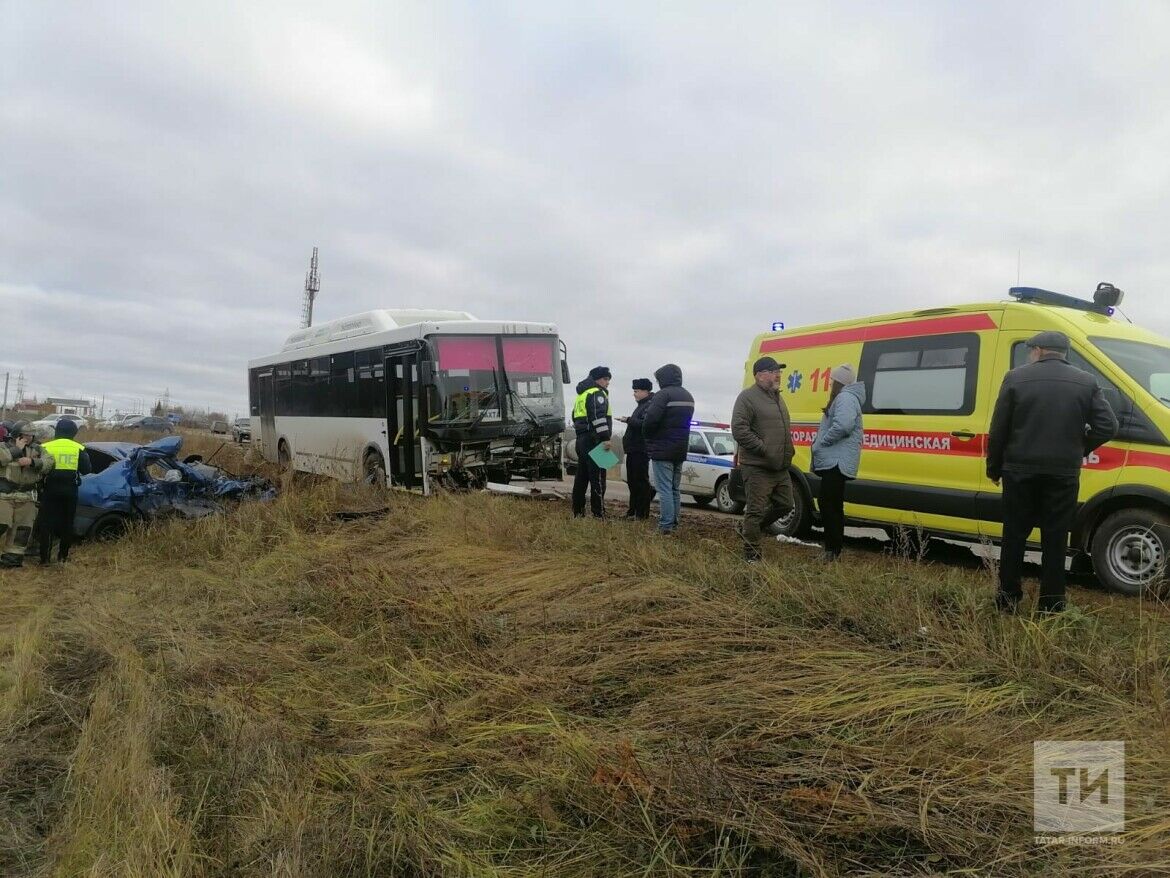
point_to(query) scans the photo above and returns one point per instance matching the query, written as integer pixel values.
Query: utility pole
(20, 387)
(312, 287)
(4, 408)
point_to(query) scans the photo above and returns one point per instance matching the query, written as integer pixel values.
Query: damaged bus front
(414, 399)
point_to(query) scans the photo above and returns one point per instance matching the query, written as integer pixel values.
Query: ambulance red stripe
(1106, 457)
(906, 329)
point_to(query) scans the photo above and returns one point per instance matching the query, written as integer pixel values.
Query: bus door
(267, 425)
(403, 427)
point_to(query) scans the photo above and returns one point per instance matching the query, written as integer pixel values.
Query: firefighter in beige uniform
(22, 465)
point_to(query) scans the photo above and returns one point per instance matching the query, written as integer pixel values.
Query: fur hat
(643, 384)
(600, 372)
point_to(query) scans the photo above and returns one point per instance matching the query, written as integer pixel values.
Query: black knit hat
(66, 429)
(643, 384)
(600, 372)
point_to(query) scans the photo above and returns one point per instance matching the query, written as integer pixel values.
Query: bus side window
(370, 401)
(342, 385)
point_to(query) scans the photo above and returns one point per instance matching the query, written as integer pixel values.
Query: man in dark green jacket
(762, 429)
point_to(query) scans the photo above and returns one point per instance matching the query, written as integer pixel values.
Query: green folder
(603, 457)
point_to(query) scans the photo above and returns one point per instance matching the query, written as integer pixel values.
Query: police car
(710, 453)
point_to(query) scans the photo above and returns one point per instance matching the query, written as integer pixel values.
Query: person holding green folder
(593, 424)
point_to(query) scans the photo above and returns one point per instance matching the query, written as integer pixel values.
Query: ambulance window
(1134, 424)
(1118, 401)
(1111, 390)
(944, 357)
(898, 360)
(697, 444)
(921, 376)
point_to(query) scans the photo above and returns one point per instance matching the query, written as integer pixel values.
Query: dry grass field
(477, 686)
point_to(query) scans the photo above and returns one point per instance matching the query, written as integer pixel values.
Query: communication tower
(312, 287)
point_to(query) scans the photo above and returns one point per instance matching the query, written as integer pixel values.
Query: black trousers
(55, 521)
(589, 476)
(831, 502)
(638, 480)
(1029, 501)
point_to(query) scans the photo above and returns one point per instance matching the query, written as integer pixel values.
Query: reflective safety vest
(65, 453)
(595, 422)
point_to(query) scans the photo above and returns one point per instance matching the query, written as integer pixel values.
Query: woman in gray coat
(836, 453)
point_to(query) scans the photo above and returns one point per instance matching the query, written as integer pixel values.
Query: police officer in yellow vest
(59, 497)
(22, 464)
(593, 423)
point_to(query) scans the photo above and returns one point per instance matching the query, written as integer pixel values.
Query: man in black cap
(1049, 416)
(762, 429)
(593, 424)
(634, 447)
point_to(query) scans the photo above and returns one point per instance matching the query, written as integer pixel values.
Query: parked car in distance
(117, 422)
(219, 426)
(149, 424)
(241, 430)
(51, 421)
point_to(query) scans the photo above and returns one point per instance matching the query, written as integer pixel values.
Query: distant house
(83, 407)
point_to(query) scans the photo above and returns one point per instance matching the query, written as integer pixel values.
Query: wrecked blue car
(133, 482)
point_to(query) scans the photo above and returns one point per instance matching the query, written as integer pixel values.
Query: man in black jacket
(593, 424)
(1049, 416)
(634, 446)
(667, 428)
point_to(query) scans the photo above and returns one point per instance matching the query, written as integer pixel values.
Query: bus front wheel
(374, 469)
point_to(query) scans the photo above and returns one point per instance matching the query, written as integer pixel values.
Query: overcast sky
(661, 180)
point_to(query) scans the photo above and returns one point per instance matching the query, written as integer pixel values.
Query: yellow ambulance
(932, 378)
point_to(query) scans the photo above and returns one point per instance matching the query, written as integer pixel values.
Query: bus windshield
(1147, 364)
(487, 379)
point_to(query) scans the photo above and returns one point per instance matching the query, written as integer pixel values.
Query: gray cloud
(663, 182)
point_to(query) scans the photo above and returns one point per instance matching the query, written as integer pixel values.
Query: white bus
(414, 399)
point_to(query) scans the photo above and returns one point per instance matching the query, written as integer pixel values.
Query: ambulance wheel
(723, 499)
(108, 527)
(1129, 551)
(798, 522)
(703, 502)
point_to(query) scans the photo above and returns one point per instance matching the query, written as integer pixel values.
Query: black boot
(752, 554)
(8, 559)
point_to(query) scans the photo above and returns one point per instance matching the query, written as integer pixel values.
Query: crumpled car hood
(126, 484)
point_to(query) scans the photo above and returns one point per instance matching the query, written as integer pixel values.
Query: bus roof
(387, 326)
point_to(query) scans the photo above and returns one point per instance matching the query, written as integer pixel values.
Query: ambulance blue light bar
(1104, 299)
